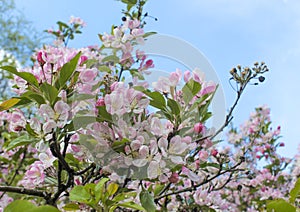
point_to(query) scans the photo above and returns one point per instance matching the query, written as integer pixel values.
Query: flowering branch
(207, 180)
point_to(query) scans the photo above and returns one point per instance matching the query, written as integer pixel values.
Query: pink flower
(17, 121)
(208, 87)
(34, 176)
(203, 155)
(175, 78)
(77, 20)
(87, 76)
(199, 128)
(187, 76)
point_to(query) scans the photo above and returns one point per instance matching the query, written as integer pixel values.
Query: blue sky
(228, 32)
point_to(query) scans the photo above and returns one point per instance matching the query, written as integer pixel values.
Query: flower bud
(174, 178)
(100, 102)
(40, 58)
(214, 152)
(198, 128)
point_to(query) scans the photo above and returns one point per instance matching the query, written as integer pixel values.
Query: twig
(21, 190)
(233, 169)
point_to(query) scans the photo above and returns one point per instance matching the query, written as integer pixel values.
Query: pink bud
(83, 59)
(18, 128)
(100, 102)
(214, 152)
(282, 144)
(40, 58)
(174, 178)
(149, 64)
(198, 128)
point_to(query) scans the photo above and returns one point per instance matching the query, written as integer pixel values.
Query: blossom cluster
(89, 139)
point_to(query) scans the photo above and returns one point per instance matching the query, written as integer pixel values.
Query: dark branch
(21, 190)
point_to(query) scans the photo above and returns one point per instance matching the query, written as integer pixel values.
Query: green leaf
(111, 58)
(112, 189)
(44, 208)
(157, 99)
(83, 121)
(103, 114)
(280, 205)
(99, 189)
(147, 34)
(67, 71)
(118, 146)
(175, 107)
(50, 92)
(295, 191)
(190, 89)
(19, 205)
(158, 189)
(20, 141)
(24, 205)
(104, 68)
(124, 196)
(131, 205)
(147, 201)
(80, 194)
(8, 104)
(71, 160)
(71, 207)
(62, 24)
(34, 96)
(30, 130)
(28, 77)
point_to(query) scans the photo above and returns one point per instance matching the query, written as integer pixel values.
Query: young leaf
(66, 72)
(111, 58)
(174, 106)
(20, 141)
(34, 96)
(71, 207)
(19, 205)
(25, 205)
(50, 92)
(295, 191)
(131, 205)
(44, 208)
(147, 201)
(83, 121)
(190, 89)
(79, 194)
(103, 114)
(112, 189)
(280, 205)
(30, 78)
(99, 189)
(8, 104)
(147, 34)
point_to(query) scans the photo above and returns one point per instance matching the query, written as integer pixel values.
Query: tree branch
(21, 190)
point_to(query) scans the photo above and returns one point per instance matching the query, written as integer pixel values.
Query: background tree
(18, 39)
